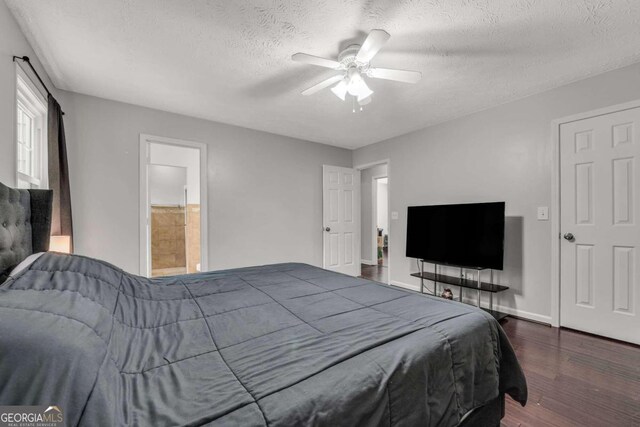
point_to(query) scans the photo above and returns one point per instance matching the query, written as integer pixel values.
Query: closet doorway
(173, 194)
(375, 229)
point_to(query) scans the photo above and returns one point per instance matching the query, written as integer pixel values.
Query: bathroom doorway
(172, 222)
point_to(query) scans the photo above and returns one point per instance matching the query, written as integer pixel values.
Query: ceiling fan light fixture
(363, 91)
(352, 65)
(364, 101)
(354, 81)
(340, 90)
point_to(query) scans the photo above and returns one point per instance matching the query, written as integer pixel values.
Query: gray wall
(12, 42)
(503, 153)
(265, 191)
(366, 195)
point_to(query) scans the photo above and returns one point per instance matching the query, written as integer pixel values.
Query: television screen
(466, 235)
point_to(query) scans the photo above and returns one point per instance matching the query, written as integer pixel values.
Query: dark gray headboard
(25, 225)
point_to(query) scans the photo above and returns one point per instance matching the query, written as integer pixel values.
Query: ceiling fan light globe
(340, 90)
(364, 101)
(363, 91)
(353, 75)
(364, 96)
(354, 81)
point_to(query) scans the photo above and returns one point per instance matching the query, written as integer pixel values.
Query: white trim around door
(555, 197)
(389, 190)
(374, 216)
(145, 140)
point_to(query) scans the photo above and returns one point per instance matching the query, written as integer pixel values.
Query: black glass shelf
(463, 283)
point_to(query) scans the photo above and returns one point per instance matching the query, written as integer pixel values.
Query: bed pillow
(25, 264)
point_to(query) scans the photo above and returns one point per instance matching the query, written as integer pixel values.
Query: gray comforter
(285, 344)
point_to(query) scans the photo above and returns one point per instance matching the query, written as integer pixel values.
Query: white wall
(265, 191)
(503, 153)
(167, 185)
(366, 211)
(189, 158)
(12, 42)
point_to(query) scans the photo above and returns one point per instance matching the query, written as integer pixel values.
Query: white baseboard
(541, 318)
(524, 314)
(367, 262)
(406, 285)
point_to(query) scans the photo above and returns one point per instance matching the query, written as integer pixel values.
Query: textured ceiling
(229, 61)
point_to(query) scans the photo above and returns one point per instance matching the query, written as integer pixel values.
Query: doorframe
(360, 168)
(555, 198)
(374, 214)
(145, 140)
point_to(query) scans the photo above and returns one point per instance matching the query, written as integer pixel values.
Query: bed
(280, 345)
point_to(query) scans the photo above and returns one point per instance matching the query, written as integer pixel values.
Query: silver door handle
(569, 236)
(327, 229)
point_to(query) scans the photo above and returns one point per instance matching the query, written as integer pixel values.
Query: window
(31, 134)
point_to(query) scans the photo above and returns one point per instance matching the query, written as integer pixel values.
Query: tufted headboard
(25, 225)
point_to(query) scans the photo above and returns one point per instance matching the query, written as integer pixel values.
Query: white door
(600, 207)
(341, 219)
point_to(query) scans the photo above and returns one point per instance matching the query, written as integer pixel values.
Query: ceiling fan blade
(315, 60)
(396, 75)
(325, 83)
(375, 40)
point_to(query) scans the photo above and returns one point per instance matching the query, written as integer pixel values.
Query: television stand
(463, 283)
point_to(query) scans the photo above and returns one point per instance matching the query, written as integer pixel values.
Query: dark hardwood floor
(377, 273)
(574, 379)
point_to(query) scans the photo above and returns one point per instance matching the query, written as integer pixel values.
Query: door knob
(327, 229)
(568, 236)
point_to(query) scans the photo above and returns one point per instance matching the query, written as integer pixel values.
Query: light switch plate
(543, 213)
(394, 215)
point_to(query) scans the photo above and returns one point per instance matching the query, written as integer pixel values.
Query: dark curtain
(61, 223)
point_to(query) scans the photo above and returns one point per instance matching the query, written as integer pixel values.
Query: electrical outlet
(543, 213)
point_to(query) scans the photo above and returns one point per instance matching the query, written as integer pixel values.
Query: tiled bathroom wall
(168, 240)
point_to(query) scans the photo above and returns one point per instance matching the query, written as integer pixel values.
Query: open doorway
(375, 222)
(172, 246)
(172, 221)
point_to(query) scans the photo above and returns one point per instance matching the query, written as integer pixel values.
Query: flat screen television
(466, 235)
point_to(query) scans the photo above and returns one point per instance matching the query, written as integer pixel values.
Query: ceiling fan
(353, 65)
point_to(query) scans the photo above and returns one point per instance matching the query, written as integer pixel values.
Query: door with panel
(341, 219)
(600, 231)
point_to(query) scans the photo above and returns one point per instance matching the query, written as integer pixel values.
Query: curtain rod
(28, 61)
